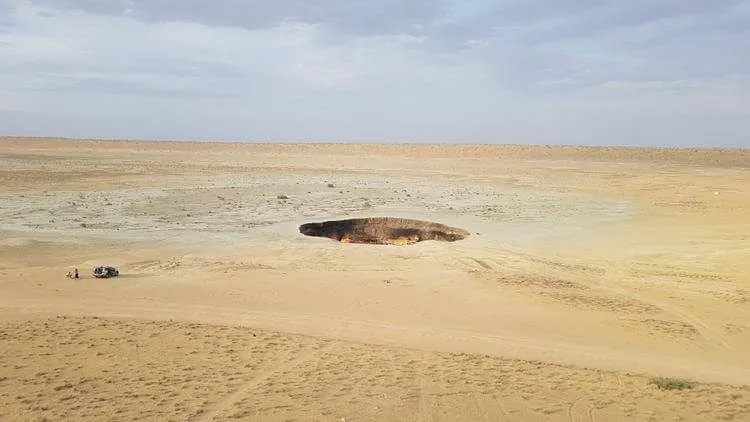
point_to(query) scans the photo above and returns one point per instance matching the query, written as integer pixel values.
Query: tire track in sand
(267, 370)
(710, 334)
(609, 282)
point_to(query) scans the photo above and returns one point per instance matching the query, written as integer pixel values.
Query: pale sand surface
(584, 265)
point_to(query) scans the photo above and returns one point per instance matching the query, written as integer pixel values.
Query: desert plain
(589, 273)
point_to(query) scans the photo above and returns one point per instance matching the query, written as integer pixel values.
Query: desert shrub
(672, 383)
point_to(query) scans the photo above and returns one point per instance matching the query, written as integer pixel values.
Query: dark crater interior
(383, 231)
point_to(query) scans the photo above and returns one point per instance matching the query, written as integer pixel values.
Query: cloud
(353, 16)
(544, 71)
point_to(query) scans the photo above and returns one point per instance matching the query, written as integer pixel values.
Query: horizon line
(380, 142)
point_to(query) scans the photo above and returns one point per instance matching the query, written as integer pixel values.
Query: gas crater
(383, 231)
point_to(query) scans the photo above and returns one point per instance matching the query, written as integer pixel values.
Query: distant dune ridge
(383, 231)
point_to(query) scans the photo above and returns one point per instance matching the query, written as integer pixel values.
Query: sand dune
(115, 369)
(588, 273)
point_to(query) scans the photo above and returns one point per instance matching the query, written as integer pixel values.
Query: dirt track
(617, 260)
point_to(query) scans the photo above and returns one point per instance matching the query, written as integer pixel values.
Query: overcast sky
(636, 72)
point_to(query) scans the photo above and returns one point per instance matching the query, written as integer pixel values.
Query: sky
(586, 72)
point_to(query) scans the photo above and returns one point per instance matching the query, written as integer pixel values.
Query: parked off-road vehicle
(105, 271)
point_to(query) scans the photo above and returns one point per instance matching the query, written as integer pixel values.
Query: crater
(383, 231)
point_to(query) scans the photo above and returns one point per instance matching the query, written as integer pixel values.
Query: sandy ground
(589, 271)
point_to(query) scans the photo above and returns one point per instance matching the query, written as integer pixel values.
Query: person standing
(75, 273)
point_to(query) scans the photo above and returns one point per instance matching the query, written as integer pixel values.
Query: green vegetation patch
(672, 383)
